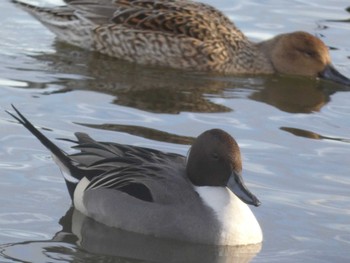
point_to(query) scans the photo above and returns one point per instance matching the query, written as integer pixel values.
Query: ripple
(53, 179)
(338, 110)
(14, 166)
(345, 238)
(121, 114)
(312, 135)
(333, 204)
(280, 256)
(144, 132)
(337, 179)
(40, 252)
(22, 234)
(269, 26)
(49, 194)
(13, 83)
(43, 157)
(340, 227)
(218, 119)
(22, 218)
(257, 145)
(257, 168)
(331, 151)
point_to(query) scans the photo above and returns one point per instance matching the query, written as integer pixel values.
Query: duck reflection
(341, 20)
(158, 90)
(82, 238)
(144, 132)
(312, 135)
(151, 89)
(295, 95)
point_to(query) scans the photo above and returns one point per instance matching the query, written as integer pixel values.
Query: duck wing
(137, 171)
(192, 19)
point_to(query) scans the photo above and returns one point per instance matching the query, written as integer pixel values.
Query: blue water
(294, 134)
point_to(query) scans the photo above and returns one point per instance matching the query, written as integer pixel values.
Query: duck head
(215, 160)
(300, 53)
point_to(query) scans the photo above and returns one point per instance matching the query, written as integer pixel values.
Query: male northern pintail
(202, 199)
(182, 34)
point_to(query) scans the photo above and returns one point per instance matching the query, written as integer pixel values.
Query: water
(294, 134)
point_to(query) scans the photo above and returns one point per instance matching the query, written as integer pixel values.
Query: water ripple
(40, 252)
(337, 205)
(14, 218)
(13, 83)
(14, 166)
(345, 238)
(22, 234)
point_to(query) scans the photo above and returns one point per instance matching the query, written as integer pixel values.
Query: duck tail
(32, 9)
(49, 16)
(63, 21)
(71, 173)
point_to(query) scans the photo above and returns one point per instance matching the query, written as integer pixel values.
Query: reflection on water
(82, 238)
(341, 20)
(144, 132)
(293, 94)
(311, 135)
(146, 88)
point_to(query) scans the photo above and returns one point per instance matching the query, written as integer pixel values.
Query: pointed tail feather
(71, 173)
(47, 15)
(26, 6)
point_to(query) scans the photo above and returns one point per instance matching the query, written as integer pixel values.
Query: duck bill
(236, 185)
(330, 73)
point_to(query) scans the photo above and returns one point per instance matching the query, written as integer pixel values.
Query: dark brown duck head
(215, 160)
(300, 53)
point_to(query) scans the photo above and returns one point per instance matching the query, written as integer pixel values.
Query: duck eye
(308, 54)
(215, 156)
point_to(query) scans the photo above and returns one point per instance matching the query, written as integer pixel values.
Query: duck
(199, 199)
(182, 34)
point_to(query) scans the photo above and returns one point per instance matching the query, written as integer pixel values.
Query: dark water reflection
(85, 240)
(144, 132)
(144, 88)
(293, 94)
(312, 135)
(341, 20)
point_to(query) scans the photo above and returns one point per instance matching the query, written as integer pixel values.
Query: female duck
(154, 193)
(182, 34)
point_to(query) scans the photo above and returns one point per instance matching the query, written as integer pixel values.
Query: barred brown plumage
(182, 34)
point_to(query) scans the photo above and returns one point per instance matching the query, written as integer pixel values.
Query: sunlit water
(294, 134)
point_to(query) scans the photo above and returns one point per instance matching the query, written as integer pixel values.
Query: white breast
(239, 225)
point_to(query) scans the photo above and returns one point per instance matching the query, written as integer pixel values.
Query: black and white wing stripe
(130, 169)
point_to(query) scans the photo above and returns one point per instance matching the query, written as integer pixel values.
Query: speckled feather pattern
(178, 34)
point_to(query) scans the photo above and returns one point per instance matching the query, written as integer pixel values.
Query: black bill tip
(330, 73)
(237, 186)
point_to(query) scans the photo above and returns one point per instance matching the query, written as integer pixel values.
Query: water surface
(294, 134)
